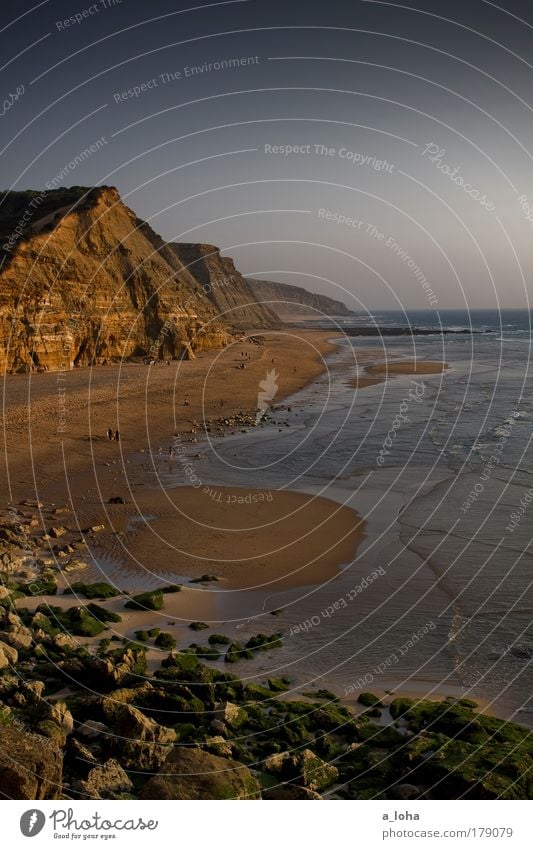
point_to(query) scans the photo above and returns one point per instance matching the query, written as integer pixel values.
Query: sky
(377, 152)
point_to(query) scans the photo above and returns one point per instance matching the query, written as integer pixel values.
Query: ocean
(439, 598)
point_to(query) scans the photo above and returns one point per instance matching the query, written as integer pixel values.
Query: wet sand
(246, 538)
(407, 367)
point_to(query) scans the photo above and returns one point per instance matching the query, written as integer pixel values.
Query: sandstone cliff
(228, 290)
(289, 301)
(83, 280)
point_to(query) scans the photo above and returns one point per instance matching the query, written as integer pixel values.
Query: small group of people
(113, 436)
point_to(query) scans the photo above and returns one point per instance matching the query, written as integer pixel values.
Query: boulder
(195, 774)
(30, 766)
(8, 655)
(232, 715)
(140, 742)
(315, 773)
(105, 781)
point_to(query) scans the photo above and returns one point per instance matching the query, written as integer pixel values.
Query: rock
(14, 632)
(315, 773)
(407, 791)
(65, 642)
(59, 713)
(116, 499)
(55, 533)
(4, 593)
(92, 729)
(104, 781)
(218, 726)
(232, 715)
(116, 669)
(218, 746)
(289, 792)
(277, 762)
(33, 690)
(140, 742)
(195, 774)
(8, 655)
(30, 766)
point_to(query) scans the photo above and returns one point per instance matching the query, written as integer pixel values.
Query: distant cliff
(229, 291)
(289, 301)
(83, 280)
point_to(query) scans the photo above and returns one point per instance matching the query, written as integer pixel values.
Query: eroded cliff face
(288, 301)
(95, 284)
(228, 290)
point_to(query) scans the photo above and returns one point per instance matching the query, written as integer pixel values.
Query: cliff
(83, 280)
(228, 290)
(290, 301)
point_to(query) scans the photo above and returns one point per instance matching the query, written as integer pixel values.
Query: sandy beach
(54, 424)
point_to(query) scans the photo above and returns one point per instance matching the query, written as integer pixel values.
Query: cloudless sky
(358, 148)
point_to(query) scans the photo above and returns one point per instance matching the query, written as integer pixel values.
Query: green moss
(262, 642)
(142, 636)
(39, 587)
(97, 590)
(165, 641)
(278, 684)
(198, 626)
(236, 652)
(172, 588)
(369, 700)
(184, 661)
(208, 652)
(219, 640)
(154, 632)
(152, 600)
(102, 614)
(204, 579)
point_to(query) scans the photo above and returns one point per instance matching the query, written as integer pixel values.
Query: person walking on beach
(117, 436)
(109, 433)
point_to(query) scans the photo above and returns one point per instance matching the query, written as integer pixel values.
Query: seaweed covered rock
(194, 774)
(146, 601)
(30, 766)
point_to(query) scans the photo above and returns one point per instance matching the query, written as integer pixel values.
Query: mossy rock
(262, 642)
(171, 588)
(219, 640)
(377, 735)
(198, 626)
(39, 587)
(369, 700)
(237, 652)
(143, 636)
(153, 632)
(165, 641)
(102, 614)
(100, 589)
(204, 579)
(184, 661)
(152, 600)
(207, 652)
(278, 685)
